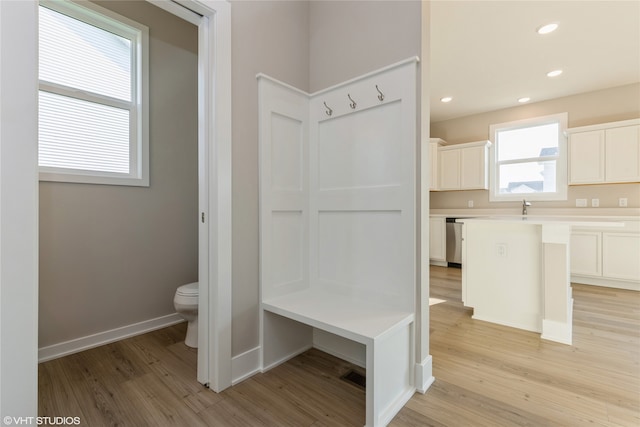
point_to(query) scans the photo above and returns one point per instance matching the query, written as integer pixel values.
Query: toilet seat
(188, 290)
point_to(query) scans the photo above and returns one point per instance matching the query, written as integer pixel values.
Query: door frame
(213, 18)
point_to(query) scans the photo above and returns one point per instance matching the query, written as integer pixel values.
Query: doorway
(18, 210)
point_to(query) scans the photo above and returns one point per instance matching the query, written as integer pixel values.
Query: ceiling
(487, 54)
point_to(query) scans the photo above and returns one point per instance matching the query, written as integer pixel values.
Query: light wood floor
(486, 375)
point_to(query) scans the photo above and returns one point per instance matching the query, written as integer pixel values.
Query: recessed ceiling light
(446, 99)
(554, 73)
(523, 100)
(546, 29)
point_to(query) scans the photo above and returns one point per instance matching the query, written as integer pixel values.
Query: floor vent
(355, 378)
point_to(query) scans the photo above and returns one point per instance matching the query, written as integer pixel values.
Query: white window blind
(92, 121)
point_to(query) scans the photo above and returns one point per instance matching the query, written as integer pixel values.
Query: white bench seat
(386, 333)
(348, 317)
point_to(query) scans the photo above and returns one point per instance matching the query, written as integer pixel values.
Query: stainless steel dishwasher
(454, 243)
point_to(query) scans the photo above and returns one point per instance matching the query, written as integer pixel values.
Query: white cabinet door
(433, 159)
(621, 256)
(586, 253)
(437, 239)
(473, 172)
(586, 157)
(449, 169)
(622, 154)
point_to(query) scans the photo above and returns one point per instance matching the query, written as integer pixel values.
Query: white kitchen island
(516, 272)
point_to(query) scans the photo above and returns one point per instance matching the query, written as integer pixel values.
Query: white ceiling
(487, 54)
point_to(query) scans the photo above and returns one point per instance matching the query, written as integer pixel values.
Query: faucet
(524, 206)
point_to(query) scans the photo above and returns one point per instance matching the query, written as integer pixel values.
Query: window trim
(561, 161)
(138, 106)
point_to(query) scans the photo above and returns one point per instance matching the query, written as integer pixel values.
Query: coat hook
(329, 111)
(381, 95)
(352, 104)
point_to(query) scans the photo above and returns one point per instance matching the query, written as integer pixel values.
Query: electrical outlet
(622, 202)
(595, 203)
(470, 203)
(501, 250)
(581, 203)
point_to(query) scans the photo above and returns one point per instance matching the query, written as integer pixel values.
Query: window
(528, 159)
(93, 125)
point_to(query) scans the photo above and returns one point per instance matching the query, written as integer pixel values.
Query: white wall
(18, 207)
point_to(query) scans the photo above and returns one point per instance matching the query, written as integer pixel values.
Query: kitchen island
(516, 271)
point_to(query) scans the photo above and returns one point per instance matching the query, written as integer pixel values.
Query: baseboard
(439, 263)
(287, 357)
(556, 331)
(245, 365)
(424, 375)
(342, 348)
(393, 409)
(101, 338)
(606, 283)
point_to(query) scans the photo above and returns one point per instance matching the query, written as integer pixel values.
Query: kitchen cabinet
(586, 253)
(606, 153)
(464, 166)
(437, 241)
(434, 143)
(620, 255)
(606, 258)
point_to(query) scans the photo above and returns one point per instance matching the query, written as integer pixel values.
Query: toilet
(186, 303)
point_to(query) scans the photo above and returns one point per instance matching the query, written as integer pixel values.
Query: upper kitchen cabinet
(464, 166)
(605, 153)
(434, 144)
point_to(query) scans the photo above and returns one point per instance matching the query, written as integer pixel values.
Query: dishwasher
(454, 242)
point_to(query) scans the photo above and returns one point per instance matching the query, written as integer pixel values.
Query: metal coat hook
(329, 111)
(352, 104)
(380, 94)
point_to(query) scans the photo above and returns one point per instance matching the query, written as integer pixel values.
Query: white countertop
(626, 214)
(574, 221)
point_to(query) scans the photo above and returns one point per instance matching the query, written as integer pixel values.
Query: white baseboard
(287, 357)
(395, 407)
(245, 365)
(606, 282)
(556, 331)
(101, 338)
(342, 348)
(424, 375)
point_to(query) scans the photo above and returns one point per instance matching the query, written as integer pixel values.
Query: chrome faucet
(524, 206)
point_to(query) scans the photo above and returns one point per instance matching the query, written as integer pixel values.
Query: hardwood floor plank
(486, 375)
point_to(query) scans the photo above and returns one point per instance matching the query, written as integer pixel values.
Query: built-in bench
(386, 333)
(338, 240)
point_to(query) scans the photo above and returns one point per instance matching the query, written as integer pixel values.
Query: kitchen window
(93, 124)
(528, 159)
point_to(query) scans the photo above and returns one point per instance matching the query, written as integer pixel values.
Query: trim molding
(424, 375)
(606, 282)
(101, 338)
(245, 365)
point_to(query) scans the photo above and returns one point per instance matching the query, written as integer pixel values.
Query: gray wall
(609, 105)
(309, 45)
(350, 38)
(110, 255)
(268, 37)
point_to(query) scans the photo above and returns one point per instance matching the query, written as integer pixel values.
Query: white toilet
(186, 303)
